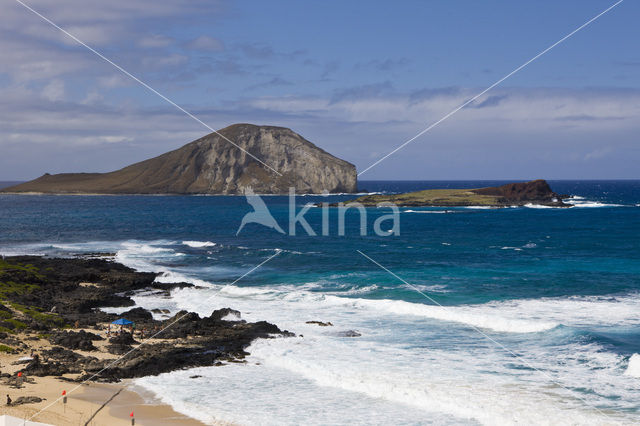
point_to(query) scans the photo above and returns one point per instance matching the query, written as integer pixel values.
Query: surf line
(485, 335)
(103, 405)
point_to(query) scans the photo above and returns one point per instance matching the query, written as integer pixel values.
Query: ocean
(524, 315)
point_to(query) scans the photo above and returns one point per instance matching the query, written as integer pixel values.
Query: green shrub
(17, 324)
(12, 267)
(10, 287)
(34, 313)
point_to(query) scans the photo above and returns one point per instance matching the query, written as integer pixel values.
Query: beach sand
(82, 402)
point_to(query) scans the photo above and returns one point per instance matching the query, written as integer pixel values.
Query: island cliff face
(212, 165)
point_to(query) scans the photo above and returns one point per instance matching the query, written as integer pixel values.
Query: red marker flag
(64, 392)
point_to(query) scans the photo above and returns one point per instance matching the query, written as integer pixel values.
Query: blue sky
(356, 78)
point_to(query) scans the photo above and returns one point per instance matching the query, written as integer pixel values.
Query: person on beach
(8, 400)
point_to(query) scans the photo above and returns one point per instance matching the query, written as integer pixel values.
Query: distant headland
(213, 165)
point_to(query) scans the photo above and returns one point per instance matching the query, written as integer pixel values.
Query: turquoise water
(539, 324)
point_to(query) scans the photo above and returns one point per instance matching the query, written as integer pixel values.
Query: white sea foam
(199, 244)
(331, 287)
(474, 316)
(361, 390)
(144, 248)
(412, 365)
(466, 385)
(427, 211)
(538, 206)
(462, 315)
(582, 202)
(291, 399)
(526, 246)
(434, 288)
(332, 194)
(633, 368)
(595, 204)
(380, 369)
(142, 256)
(172, 277)
(347, 275)
(357, 290)
(575, 311)
(575, 204)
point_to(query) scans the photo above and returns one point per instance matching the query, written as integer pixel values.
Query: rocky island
(513, 194)
(213, 165)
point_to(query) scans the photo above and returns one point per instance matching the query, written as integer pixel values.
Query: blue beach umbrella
(122, 321)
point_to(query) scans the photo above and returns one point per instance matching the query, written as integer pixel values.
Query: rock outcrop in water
(512, 194)
(213, 165)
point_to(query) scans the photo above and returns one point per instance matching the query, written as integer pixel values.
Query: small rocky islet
(537, 192)
(53, 305)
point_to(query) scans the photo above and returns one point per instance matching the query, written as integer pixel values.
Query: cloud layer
(64, 109)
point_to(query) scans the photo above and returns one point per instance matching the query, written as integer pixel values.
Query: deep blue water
(577, 268)
(579, 251)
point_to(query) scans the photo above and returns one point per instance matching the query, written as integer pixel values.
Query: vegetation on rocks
(59, 299)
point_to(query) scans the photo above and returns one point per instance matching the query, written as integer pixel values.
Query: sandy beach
(54, 340)
(82, 402)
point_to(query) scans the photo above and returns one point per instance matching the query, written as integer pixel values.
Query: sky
(356, 78)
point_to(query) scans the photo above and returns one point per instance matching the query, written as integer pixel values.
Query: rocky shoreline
(50, 312)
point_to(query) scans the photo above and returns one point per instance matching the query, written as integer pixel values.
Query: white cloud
(155, 40)
(93, 35)
(205, 43)
(528, 133)
(598, 153)
(93, 97)
(54, 91)
(57, 97)
(516, 109)
(152, 63)
(32, 49)
(116, 79)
